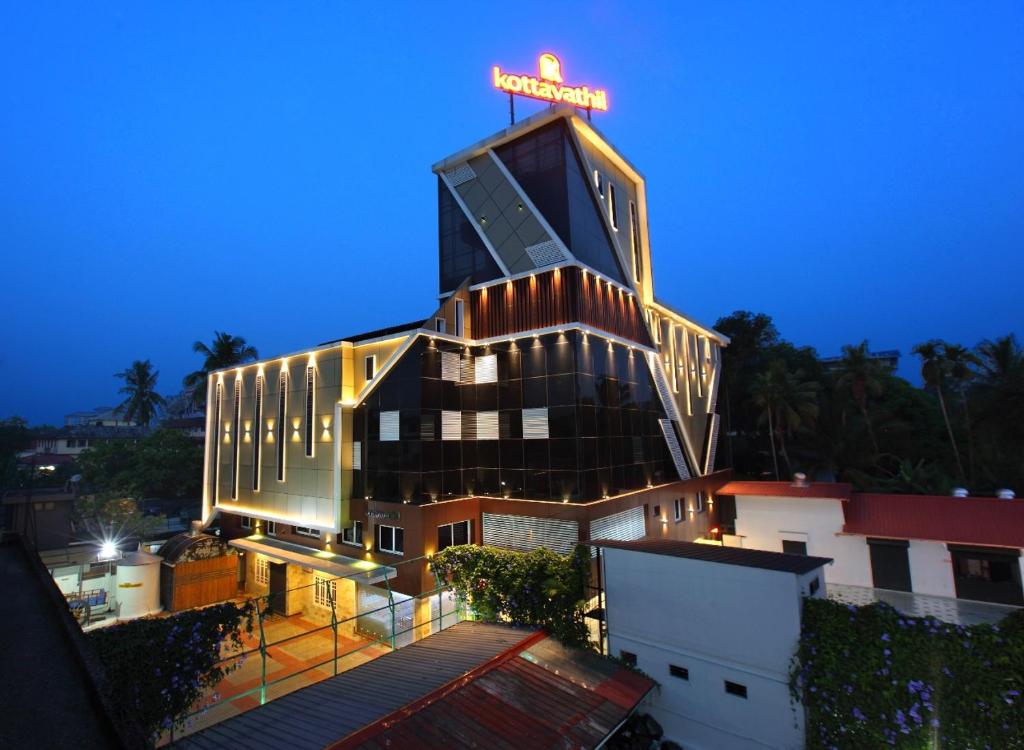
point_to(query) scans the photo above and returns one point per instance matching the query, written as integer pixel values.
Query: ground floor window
(262, 571)
(452, 534)
(324, 592)
(246, 522)
(272, 528)
(307, 531)
(793, 547)
(987, 575)
(353, 534)
(391, 539)
(890, 564)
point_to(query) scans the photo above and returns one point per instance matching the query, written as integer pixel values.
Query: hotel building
(549, 398)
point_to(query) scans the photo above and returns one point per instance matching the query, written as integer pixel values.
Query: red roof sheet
(540, 694)
(833, 490)
(959, 520)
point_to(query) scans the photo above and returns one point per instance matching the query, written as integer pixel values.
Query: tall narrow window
(370, 366)
(613, 210)
(216, 439)
(439, 325)
(236, 417)
(599, 182)
(634, 237)
(310, 408)
(257, 420)
(282, 428)
(460, 320)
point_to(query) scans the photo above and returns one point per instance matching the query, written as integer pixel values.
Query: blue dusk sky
(855, 170)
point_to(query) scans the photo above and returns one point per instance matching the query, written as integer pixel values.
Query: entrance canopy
(338, 566)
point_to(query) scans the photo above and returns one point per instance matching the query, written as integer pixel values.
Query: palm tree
(862, 376)
(962, 363)
(787, 403)
(143, 402)
(935, 368)
(226, 351)
(1000, 358)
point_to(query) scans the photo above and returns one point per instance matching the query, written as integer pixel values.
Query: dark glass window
(791, 547)
(310, 408)
(613, 209)
(282, 429)
(734, 688)
(257, 436)
(463, 253)
(452, 534)
(681, 672)
(353, 534)
(628, 657)
(634, 239)
(391, 539)
(370, 366)
(236, 445)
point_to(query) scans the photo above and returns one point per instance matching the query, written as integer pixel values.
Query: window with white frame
(262, 571)
(613, 210)
(325, 592)
(677, 509)
(271, 528)
(451, 534)
(307, 531)
(246, 522)
(391, 539)
(353, 534)
(699, 503)
(370, 366)
(439, 325)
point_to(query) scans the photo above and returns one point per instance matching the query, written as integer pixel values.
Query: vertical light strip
(236, 417)
(310, 408)
(257, 427)
(282, 427)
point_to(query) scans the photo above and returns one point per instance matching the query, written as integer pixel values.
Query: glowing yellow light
(550, 68)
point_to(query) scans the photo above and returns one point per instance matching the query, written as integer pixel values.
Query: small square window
(734, 688)
(815, 585)
(681, 672)
(272, 528)
(246, 522)
(439, 325)
(792, 547)
(628, 658)
(657, 511)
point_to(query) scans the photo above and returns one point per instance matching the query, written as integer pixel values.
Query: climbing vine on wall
(870, 677)
(160, 668)
(538, 588)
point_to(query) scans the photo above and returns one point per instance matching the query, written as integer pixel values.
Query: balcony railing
(947, 609)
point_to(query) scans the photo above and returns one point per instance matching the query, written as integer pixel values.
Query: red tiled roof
(959, 520)
(834, 490)
(539, 694)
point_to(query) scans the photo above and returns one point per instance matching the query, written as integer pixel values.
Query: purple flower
(858, 714)
(885, 637)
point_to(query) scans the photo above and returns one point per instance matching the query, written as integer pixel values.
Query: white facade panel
(535, 424)
(526, 533)
(487, 425)
(486, 369)
(451, 425)
(389, 421)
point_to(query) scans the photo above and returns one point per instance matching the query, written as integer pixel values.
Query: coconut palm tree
(787, 403)
(999, 359)
(862, 376)
(935, 369)
(962, 373)
(225, 351)
(143, 402)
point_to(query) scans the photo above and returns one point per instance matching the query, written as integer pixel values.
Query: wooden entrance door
(279, 588)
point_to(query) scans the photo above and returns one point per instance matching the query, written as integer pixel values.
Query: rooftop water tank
(138, 585)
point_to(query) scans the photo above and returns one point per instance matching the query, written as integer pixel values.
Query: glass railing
(947, 609)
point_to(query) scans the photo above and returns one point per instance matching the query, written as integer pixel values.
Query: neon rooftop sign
(549, 86)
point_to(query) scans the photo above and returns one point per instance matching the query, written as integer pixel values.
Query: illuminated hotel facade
(549, 398)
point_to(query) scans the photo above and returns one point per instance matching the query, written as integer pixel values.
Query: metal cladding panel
(748, 558)
(526, 533)
(624, 526)
(673, 447)
(535, 424)
(709, 464)
(389, 421)
(357, 454)
(450, 366)
(451, 425)
(460, 174)
(487, 425)
(486, 369)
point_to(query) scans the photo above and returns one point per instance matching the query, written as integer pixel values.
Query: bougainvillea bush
(870, 677)
(159, 668)
(538, 588)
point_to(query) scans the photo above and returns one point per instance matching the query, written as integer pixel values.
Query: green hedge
(159, 668)
(870, 677)
(538, 588)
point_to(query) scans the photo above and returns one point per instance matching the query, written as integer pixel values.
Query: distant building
(101, 416)
(716, 627)
(194, 427)
(70, 441)
(42, 516)
(967, 548)
(889, 358)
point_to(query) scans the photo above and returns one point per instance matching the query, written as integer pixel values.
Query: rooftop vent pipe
(1005, 494)
(959, 492)
(800, 479)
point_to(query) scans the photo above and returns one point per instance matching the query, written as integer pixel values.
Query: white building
(958, 547)
(716, 627)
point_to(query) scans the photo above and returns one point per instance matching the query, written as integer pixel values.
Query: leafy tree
(165, 464)
(862, 376)
(225, 351)
(14, 437)
(787, 403)
(105, 517)
(962, 362)
(143, 403)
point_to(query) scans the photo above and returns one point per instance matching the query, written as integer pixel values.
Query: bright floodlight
(108, 551)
